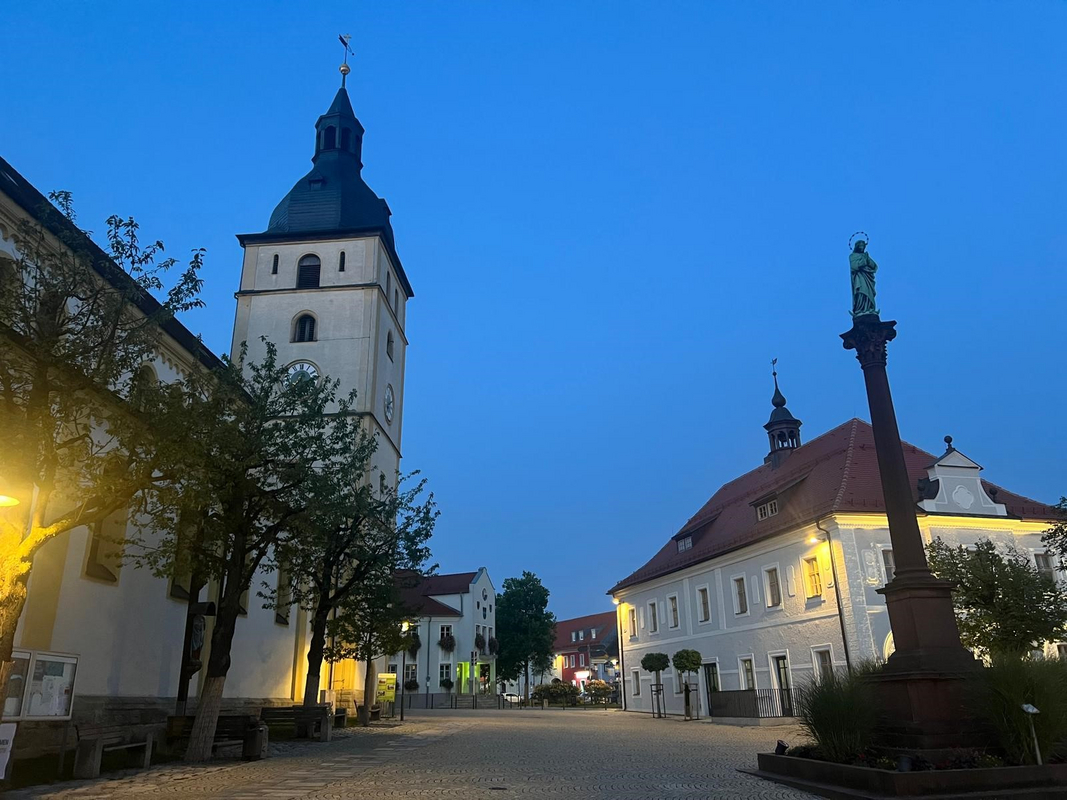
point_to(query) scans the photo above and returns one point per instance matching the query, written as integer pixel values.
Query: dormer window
(685, 543)
(574, 636)
(768, 509)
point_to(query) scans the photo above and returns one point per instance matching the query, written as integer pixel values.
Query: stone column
(920, 685)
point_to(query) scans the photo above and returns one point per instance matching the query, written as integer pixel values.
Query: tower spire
(345, 38)
(783, 429)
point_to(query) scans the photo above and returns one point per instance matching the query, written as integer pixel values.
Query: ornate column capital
(868, 338)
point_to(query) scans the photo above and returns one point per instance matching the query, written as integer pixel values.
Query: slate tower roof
(333, 199)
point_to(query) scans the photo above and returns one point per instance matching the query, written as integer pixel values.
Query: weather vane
(774, 364)
(345, 38)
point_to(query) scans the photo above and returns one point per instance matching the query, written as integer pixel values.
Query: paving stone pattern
(478, 754)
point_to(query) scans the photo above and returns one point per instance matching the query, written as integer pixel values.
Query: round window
(485, 594)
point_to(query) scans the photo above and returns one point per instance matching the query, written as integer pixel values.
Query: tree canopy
(655, 662)
(1003, 604)
(526, 629)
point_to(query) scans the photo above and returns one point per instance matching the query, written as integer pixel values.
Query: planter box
(842, 780)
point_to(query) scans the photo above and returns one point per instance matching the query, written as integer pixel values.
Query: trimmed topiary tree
(655, 662)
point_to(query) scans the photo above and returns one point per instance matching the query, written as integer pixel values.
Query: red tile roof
(603, 623)
(836, 472)
(456, 583)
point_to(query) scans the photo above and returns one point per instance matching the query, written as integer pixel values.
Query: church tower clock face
(302, 371)
(389, 404)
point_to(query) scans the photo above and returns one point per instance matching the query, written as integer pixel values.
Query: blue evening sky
(614, 215)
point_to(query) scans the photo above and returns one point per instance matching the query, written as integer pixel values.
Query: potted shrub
(411, 685)
(479, 642)
(447, 643)
(446, 684)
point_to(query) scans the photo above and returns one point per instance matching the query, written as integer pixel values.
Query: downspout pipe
(837, 594)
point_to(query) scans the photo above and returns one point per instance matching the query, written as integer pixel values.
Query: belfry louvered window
(304, 330)
(307, 272)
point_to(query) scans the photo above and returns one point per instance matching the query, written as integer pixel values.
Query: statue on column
(862, 267)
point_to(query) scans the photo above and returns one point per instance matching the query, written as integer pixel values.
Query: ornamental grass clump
(998, 695)
(837, 711)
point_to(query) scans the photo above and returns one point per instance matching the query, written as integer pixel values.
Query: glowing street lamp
(403, 668)
(8, 498)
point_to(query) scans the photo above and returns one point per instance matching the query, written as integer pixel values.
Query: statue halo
(866, 238)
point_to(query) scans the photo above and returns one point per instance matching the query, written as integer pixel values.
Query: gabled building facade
(456, 625)
(585, 648)
(775, 578)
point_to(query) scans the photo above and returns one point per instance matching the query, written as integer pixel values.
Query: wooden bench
(230, 730)
(92, 744)
(312, 722)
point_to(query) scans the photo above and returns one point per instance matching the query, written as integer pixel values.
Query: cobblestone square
(479, 754)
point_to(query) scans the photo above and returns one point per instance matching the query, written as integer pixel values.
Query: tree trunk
(209, 702)
(12, 601)
(527, 683)
(370, 683)
(315, 651)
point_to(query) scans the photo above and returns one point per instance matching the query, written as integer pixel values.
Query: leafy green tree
(257, 451)
(1004, 605)
(76, 326)
(1055, 538)
(599, 691)
(369, 624)
(526, 629)
(655, 662)
(687, 661)
(350, 535)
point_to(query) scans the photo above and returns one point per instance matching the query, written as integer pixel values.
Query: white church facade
(324, 283)
(776, 577)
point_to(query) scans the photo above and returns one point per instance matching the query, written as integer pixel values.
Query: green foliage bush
(411, 685)
(555, 692)
(599, 691)
(446, 684)
(687, 661)
(655, 662)
(837, 710)
(999, 692)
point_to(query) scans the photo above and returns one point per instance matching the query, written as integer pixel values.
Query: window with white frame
(592, 633)
(672, 608)
(748, 674)
(824, 662)
(581, 659)
(635, 683)
(685, 543)
(574, 636)
(653, 618)
(633, 623)
(444, 672)
(768, 509)
(1044, 565)
(740, 596)
(774, 587)
(704, 601)
(581, 636)
(813, 577)
(446, 631)
(889, 564)
(411, 673)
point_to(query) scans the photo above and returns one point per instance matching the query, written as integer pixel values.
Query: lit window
(304, 330)
(672, 603)
(740, 596)
(768, 509)
(705, 604)
(774, 588)
(685, 544)
(653, 618)
(813, 576)
(307, 272)
(889, 564)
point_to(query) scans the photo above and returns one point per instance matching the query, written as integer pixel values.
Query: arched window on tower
(274, 265)
(307, 272)
(346, 139)
(304, 329)
(341, 262)
(329, 138)
(389, 345)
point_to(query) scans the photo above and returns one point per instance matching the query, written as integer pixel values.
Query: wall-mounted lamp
(8, 498)
(615, 601)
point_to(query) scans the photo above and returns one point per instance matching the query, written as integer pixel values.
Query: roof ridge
(846, 472)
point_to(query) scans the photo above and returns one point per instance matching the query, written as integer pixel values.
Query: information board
(386, 688)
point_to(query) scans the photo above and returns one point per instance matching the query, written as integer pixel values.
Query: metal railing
(755, 703)
(432, 700)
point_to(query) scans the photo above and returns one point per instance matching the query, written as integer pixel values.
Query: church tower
(783, 429)
(324, 283)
